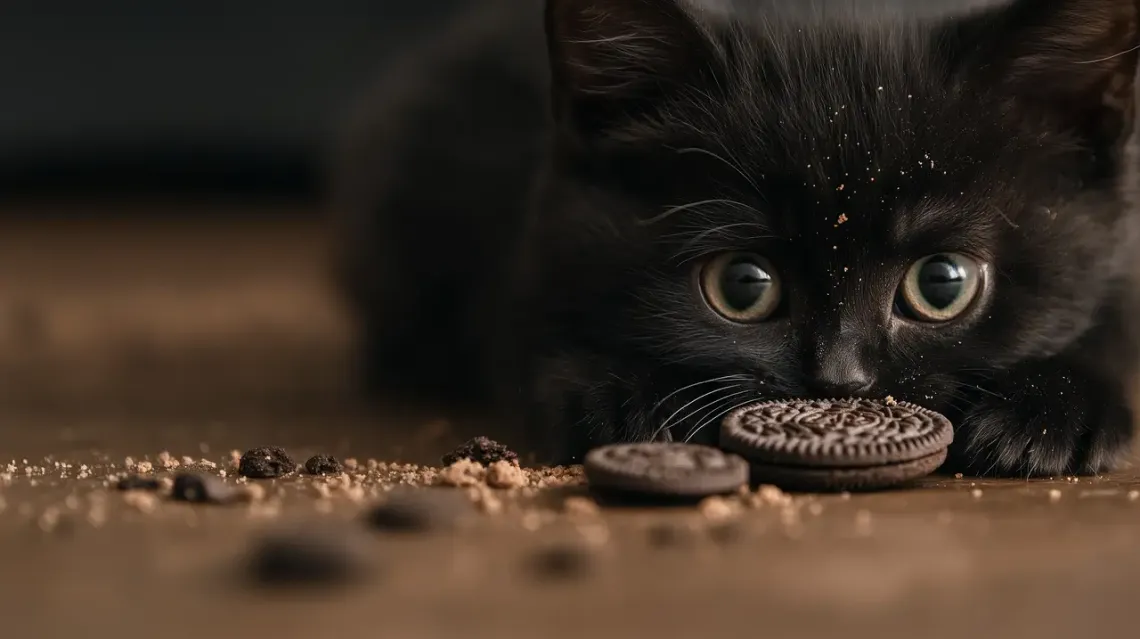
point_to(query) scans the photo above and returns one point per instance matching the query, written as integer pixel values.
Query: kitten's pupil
(940, 280)
(743, 284)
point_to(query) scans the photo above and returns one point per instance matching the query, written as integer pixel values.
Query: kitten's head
(831, 204)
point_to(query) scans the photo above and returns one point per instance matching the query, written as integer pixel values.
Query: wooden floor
(197, 337)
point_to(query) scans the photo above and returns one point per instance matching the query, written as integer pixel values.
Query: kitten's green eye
(741, 287)
(938, 288)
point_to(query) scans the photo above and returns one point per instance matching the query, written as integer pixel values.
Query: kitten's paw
(1043, 431)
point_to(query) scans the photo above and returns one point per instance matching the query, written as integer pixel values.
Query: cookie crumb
(1054, 495)
(716, 508)
(891, 401)
(958, 475)
(581, 507)
(351, 463)
(768, 495)
(462, 473)
(197, 488)
(297, 557)
(504, 474)
(251, 492)
(143, 502)
(485, 499)
(266, 462)
(144, 467)
(666, 534)
(166, 461)
(323, 465)
(482, 450)
(594, 534)
(560, 562)
(417, 511)
(976, 493)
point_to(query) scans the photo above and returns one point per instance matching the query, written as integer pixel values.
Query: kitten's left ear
(612, 60)
(1075, 58)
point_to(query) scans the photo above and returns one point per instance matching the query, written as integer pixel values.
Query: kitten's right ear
(610, 59)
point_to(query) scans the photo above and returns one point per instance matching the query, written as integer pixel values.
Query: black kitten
(757, 201)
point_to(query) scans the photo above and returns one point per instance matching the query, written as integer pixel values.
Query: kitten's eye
(938, 288)
(741, 287)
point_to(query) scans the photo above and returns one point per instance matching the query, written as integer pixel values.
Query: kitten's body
(553, 257)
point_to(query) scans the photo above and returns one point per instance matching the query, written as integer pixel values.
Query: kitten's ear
(610, 59)
(1077, 58)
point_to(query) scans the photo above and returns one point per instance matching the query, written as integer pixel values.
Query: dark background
(175, 97)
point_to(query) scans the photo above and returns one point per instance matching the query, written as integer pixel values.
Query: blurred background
(128, 97)
(163, 259)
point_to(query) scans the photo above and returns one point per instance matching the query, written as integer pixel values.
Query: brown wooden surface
(130, 338)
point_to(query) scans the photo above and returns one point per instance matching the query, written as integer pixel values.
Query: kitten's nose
(834, 378)
(836, 388)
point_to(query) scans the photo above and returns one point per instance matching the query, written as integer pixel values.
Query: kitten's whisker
(1004, 216)
(721, 413)
(1107, 58)
(988, 392)
(690, 245)
(668, 420)
(724, 378)
(691, 205)
(714, 410)
(732, 165)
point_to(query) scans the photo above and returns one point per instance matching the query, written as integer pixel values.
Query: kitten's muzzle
(837, 378)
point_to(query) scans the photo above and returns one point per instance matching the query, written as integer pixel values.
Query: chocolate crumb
(726, 532)
(416, 512)
(560, 562)
(305, 557)
(198, 488)
(666, 535)
(266, 463)
(323, 465)
(135, 482)
(482, 450)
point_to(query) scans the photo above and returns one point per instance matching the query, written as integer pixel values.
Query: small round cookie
(664, 470)
(842, 444)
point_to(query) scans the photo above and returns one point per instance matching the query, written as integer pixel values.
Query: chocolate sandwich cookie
(664, 471)
(847, 444)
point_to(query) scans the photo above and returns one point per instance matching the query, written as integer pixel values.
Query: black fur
(555, 257)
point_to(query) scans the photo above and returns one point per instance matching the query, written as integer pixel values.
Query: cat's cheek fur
(1044, 419)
